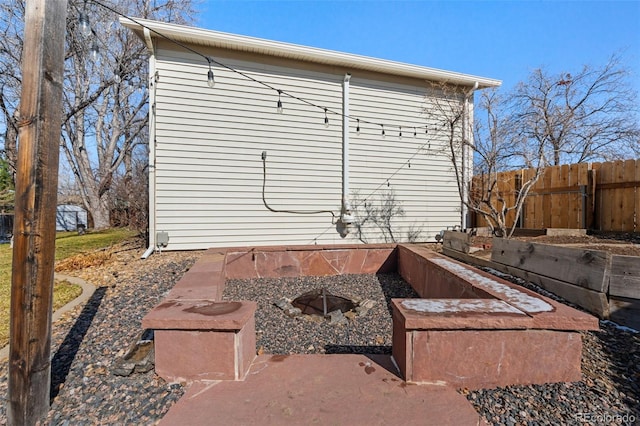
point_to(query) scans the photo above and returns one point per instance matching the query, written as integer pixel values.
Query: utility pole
(35, 208)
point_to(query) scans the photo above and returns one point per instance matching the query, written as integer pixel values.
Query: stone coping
(200, 315)
(503, 305)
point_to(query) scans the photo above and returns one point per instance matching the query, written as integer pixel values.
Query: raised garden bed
(598, 276)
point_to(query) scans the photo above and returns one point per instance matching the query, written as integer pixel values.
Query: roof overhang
(213, 39)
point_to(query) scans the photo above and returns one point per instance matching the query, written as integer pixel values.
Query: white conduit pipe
(152, 146)
(345, 214)
(466, 138)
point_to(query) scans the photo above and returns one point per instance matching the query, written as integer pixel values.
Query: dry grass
(84, 260)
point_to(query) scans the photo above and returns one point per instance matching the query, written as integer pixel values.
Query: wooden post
(35, 208)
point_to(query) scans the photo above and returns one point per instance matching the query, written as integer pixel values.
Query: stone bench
(471, 329)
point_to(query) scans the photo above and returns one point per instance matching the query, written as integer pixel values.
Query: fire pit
(320, 305)
(321, 302)
(465, 328)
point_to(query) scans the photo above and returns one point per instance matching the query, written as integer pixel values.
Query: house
(292, 145)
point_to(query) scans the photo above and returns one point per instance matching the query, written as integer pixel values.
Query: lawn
(68, 244)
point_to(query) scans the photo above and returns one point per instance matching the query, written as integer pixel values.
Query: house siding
(209, 171)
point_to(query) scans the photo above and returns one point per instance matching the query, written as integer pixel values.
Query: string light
(94, 50)
(86, 29)
(83, 21)
(279, 107)
(211, 81)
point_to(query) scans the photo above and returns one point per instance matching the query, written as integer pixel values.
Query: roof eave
(199, 36)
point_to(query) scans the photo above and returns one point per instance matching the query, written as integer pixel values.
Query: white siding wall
(208, 155)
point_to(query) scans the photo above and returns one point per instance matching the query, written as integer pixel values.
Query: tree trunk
(99, 209)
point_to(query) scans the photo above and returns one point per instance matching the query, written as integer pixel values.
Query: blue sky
(504, 40)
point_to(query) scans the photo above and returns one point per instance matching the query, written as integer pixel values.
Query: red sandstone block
(277, 264)
(198, 285)
(401, 344)
(245, 348)
(314, 263)
(210, 262)
(458, 314)
(380, 260)
(564, 317)
(187, 356)
(240, 265)
(199, 315)
(356, 262)
(485, 359)
(336, 259)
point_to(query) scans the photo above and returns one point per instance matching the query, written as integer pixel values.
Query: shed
(293, 144)
(70, 217)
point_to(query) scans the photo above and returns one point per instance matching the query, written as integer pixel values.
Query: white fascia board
(197, 36)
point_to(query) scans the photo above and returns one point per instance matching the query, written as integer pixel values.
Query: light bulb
(94, 50)
(85, 26)
(211, 81)
(358, 127)
(415, 132)
(326, 119)
(400, 133)
(279, 107)
(382, 125)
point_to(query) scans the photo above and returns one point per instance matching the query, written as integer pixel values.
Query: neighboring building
(207, 144)
(70, 218)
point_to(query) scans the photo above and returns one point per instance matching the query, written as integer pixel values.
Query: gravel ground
(276, 333)
(609, 393)
(86, 342)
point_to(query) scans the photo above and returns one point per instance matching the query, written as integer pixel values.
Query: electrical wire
(248, 77)
(264, 201)
(280, 92)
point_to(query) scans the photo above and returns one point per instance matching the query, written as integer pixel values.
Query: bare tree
(11, 41)
(493, 150)
(105, 90)
(107, 97)
(548, 120)
(588, 115)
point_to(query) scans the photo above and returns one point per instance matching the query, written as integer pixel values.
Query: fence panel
(628, 197)
(601, 196)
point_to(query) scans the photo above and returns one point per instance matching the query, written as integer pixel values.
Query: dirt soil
(627, 244)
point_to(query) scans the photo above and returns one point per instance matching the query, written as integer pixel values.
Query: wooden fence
(597, 196)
